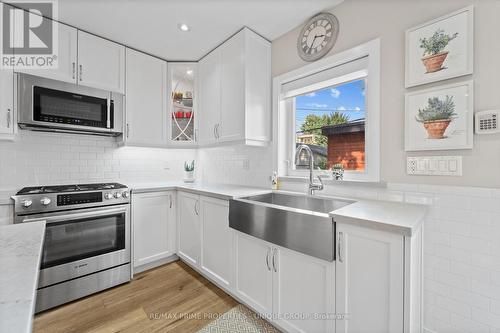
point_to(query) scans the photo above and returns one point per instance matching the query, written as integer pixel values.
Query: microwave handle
(109, 106)
(53, 219)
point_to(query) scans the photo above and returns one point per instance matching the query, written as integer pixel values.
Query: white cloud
(357, 108)
(335, 93)
(311, 94)
(341, 108)
(318, 105)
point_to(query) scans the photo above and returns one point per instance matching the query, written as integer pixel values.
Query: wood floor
(170, 298)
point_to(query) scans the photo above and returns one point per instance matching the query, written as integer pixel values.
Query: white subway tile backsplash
(54, 158)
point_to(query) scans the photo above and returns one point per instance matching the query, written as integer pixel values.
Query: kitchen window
(332, 106)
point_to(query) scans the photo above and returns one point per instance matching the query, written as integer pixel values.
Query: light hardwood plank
(170, 298)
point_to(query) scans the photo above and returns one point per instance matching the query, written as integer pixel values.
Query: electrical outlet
(246, 164)
(434, 165)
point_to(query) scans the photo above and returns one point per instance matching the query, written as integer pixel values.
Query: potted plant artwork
(437, 116)
(189, 171)
(434, 50)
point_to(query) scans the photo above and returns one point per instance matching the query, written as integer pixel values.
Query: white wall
(47, 158)
(363, 20)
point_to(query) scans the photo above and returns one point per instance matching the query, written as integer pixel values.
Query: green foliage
(436, 43)
(313, 123)
(437, 110)
(189, 167)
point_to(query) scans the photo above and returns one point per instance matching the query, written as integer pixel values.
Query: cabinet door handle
(217, 131)
(274, 260)
(196, 208)
(215, 134)
(340, 247)
(81, 71)
(170, 197)
(74, 69)
(9, 119)
(128, 130)
(267, 259)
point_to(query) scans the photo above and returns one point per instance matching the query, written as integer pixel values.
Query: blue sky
(348, 98)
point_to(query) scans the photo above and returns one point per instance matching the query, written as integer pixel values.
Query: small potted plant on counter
(434, 54)
(189, 170)
(437, 116)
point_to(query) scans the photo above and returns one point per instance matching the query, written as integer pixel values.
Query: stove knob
(117, 195)
(108, 196)
(125, 195)
(45, 201)
(27, 203)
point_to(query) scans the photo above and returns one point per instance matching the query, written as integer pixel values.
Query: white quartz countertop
(397, 217)
(20, 254)
(220, 191)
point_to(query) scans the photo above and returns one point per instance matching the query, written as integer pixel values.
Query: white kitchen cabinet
(369, 280)
(7, 119)
(66, 56)
(101, 63)
(305, 287)
(146, 100)
(235, 86)
(210, 94)
(189, 228)
(216, 241)
(153, 221)
(254, 275)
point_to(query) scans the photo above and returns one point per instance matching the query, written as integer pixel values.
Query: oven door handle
(49, 219)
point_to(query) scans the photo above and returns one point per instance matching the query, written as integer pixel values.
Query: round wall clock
(318, 36)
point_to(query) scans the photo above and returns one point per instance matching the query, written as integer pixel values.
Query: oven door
(83, 242)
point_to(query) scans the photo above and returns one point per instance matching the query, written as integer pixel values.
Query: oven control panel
(78, 198)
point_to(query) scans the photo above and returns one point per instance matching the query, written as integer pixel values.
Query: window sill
(305, 179)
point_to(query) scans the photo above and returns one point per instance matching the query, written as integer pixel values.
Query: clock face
(317, 37)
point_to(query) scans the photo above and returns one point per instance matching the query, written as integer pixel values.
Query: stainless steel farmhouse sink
(294, 221)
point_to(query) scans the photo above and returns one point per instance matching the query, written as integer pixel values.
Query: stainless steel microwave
(50, 105)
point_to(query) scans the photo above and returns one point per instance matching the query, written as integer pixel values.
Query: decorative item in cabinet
(182, 83)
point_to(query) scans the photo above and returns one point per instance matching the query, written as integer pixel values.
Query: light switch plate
(434, 165)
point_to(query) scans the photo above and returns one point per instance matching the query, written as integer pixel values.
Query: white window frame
(284, 122)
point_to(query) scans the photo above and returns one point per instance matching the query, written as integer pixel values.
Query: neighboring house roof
(317, 150)
(354, 126)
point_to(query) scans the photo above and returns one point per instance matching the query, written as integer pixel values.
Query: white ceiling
(151, 25)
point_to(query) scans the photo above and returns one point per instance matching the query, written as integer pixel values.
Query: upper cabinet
(7, 128)
(145, 100)
(209, 68)
(101, 63)
(66, 56)
(182, 103)
(235, 90)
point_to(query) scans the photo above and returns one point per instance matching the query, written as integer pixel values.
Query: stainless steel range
(87, 238)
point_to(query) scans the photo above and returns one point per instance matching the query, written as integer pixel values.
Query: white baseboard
(156, 263)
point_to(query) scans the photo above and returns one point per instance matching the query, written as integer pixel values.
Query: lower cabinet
(295, 290)
(217, 239)
(369, 280)
(303, 292)
(153, 221)
(189, 226)
(254, 275)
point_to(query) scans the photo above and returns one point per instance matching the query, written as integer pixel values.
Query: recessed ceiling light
(189, 72)
(183, 27)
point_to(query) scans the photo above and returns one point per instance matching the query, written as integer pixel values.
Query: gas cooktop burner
(70, 188)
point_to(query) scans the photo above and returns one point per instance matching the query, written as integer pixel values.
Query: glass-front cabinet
(182, 122)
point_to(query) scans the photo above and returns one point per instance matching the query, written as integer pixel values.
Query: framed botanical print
(440, 49)
(440, 118)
